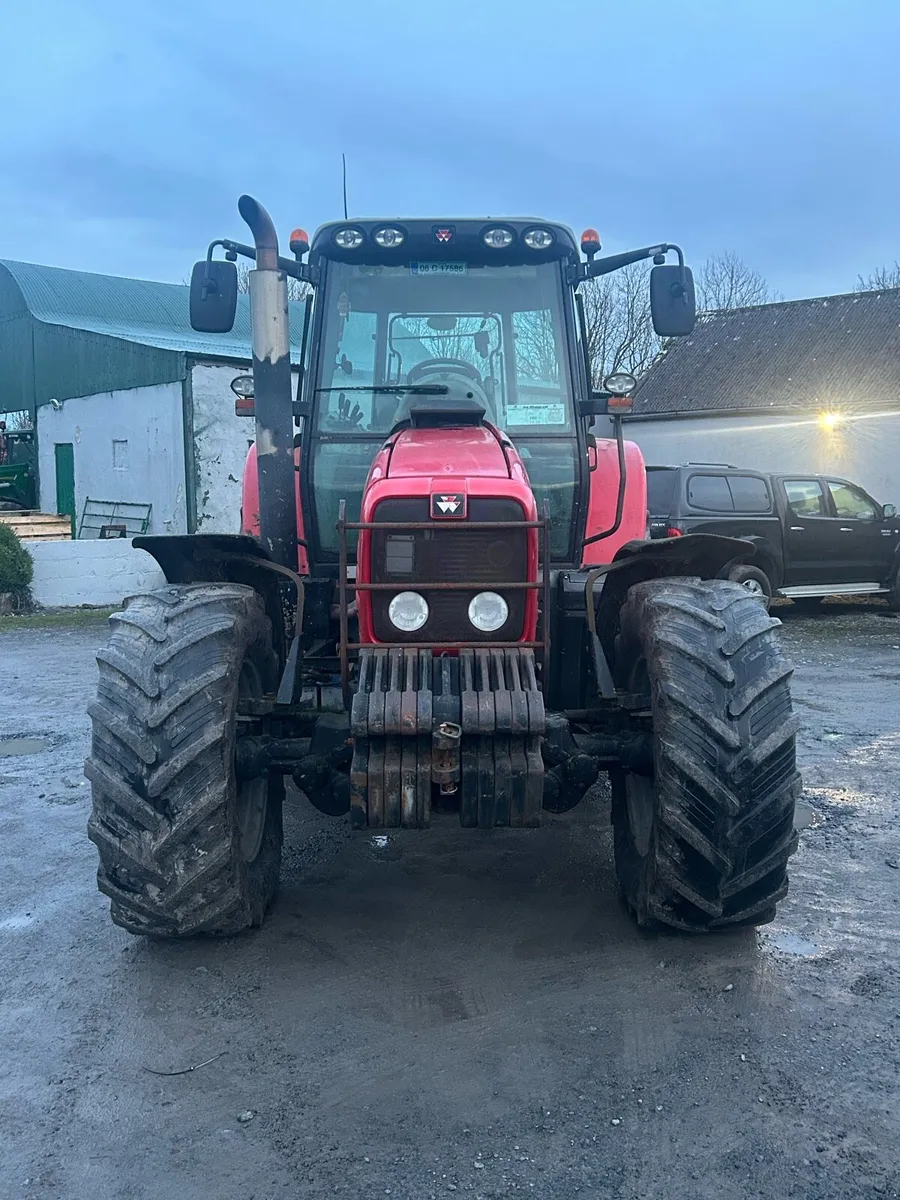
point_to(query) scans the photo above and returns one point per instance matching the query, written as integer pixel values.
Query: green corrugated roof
(135, 310)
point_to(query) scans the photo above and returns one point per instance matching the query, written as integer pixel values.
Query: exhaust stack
(270, 331)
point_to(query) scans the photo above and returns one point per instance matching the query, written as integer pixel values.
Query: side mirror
(672, 300)
(889, 510)
(214, 290)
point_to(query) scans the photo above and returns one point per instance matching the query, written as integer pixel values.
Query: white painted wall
(128, 445)
(67, 574)
(864, 449)
(221, 441)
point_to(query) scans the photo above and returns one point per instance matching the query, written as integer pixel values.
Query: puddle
(380, 841)
(16, 922)
(791, 943)
(22, 746)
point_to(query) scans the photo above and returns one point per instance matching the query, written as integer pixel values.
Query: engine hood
(473, 452)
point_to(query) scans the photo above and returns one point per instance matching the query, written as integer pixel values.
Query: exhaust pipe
(270, 331)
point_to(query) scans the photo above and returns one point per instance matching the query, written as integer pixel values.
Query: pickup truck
(814, 535)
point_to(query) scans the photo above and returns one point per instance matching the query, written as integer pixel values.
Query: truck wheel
(754, 581)
(185, 848)
(702, 840)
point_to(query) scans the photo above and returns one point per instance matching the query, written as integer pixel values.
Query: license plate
(438, 268)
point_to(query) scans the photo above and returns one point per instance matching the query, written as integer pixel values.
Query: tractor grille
(488, 557)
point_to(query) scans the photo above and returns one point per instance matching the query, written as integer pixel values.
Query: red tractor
(441, 601)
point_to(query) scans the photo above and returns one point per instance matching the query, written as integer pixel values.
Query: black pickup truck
(815, 535)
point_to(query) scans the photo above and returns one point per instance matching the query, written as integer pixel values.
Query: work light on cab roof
(441, 598)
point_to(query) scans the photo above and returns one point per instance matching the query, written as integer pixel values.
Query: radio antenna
(344, 172)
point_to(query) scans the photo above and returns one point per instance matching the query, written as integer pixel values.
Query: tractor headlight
(389, 238)
(408, 611)
(539, 239)
(348, 238)
(620, 383)
(497, 237)
(488, 611)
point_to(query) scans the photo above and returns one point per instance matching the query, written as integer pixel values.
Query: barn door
(65, 481)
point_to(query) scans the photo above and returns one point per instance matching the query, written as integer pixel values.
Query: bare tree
(18, 421)
(725, 282)
(620, 332)
(879, 280)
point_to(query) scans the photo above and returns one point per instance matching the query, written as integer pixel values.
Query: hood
(472, 452)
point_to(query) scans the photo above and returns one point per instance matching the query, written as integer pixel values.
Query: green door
(65, 480)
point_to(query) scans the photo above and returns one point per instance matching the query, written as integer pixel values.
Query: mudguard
(229, 558)
(703, 555)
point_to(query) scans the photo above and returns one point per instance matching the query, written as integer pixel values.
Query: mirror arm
(614, 262)
(301, 271)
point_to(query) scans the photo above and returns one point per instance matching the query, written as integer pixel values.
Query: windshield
(398, 337)
(492, 336)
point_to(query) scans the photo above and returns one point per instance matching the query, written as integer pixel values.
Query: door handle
(846, 529)
(797, 529)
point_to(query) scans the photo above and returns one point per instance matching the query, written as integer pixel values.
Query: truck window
(710, 492)
(660, 491)
(806, 498)
(750, 494)
(851, 502)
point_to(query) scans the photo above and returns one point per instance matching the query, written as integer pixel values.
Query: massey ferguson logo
(450, 504)
(443, 234)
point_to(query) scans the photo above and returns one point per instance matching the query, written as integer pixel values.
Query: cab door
(867, 540)
(810, 533)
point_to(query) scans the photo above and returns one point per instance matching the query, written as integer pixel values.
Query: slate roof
(808, 355)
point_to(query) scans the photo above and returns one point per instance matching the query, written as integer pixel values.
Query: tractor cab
(421, 317)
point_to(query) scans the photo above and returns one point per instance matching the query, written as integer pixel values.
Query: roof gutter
(781, 410)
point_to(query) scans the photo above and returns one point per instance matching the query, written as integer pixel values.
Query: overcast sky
(766, 127)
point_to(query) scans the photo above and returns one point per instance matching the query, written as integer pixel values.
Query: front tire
(702, 841)
(185, 848)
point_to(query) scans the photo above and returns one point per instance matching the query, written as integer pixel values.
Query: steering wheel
(459, 375)
(457, 366)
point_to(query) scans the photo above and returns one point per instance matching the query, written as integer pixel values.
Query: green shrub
(16, 567)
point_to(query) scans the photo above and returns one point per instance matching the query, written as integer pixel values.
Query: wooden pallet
(34, 526)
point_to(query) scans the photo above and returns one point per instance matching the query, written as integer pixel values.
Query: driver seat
(463, 382)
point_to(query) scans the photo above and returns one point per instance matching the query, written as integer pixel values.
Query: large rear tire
(185, 848)
(703, 842)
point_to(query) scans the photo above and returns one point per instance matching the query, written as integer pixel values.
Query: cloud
(717, 126)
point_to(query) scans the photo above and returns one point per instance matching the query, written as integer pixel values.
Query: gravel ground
(454, 1012)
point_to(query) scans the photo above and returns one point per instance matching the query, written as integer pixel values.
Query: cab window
(806, 498)
(710, 492)
(850, 502)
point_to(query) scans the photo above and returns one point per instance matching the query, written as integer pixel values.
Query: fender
(230, 558)
(768, 557)
(704, 555)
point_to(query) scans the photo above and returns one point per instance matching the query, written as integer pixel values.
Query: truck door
(866, 540)
(810, 534)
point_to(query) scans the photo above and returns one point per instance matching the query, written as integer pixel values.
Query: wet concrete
(452, 1012)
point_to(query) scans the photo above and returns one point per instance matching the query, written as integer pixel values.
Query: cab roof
(444, 238)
